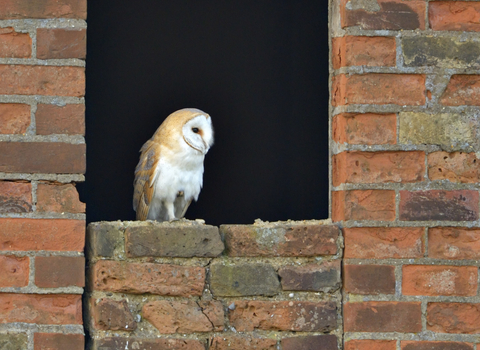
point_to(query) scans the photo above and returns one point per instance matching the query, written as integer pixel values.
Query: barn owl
(169, 174)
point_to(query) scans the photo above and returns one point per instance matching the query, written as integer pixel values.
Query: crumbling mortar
(62, 178)
(391, 108)
(68, 62)
(432, 223)
(34, 185)
(31, 99)
(424, 335)
(31, 289)
(34, 253)
(412, 186)
(46, 215)
(32, 128)
(63, 138)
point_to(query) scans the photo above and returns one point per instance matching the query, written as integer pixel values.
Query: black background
(259, 68)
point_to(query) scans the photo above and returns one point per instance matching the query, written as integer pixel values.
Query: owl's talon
(173, 220)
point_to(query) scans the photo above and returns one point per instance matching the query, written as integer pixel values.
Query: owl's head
(198, 131)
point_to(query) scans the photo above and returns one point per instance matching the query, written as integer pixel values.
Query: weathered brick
(311, 277)
(184, 316)
(365, 129)
(455, 167)
(367, 344)
(243, 279)
(59, 271)
(378, 167)
(61, 43)
(68, 119)
(42, 157)
(42, 80)
(242, 343)
(363, 51)
(58, 198)
(434, 345)
(42, 234)
(14, 118)
(312, 342)
(58, 341)
(453, 243)
(454, 15)
(452, 131)
(379, 88)
(112, 315)
(103, 239)
(363, 205)
(453, 318)
(14, 271)
(173, 240)
(15, 45)
(444, 52)
(383, 242)
(15, 197)
(13, 341)
(383, 316)
(439, 280)
(139, 278)
(462, 90)
(280, 240)
(369, 279)
(14, 9)
(117, 343)
(383, 14)
(460, 205)
(41, 309)
(298, 316)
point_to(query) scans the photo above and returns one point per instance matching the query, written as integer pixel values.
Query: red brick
(184, 316)
(455, 167)
(461, 205)
(435, 345)
(383, 316)
(42, 234)
(14, 118)
(15, 197)
(112, 315)
(312, 342)
(140, 278)
(40, 308)
(58, 198)
(61, 43)
(365, 129)
(378, 88)
(367, 344)
(13, 9)
(388, 14)
(453, 318)
(378, 167)
(42, 157)
(439, 280)
(59, 271)
(14, 45)
(58, 341)
(298, 316)
(453, 243)
(462, 90)
(311, 277)
(14, 271)
(383, 242)
(42, 80)
(369, 279)
(242, 343)
(120, 343)
(454, 15)
(363, 205)
(363, 51)
(69, 119)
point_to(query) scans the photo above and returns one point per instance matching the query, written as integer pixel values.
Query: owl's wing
(144, 175)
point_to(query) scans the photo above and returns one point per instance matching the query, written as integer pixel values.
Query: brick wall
(405, 112)
(42, 155)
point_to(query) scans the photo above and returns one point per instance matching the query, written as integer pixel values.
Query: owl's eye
(195, 130)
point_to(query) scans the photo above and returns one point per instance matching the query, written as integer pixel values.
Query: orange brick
(363, 205)
(462, 90)
(435, 345)
(383, 242)
(59, 271)
(242, 343)
(14, 118)
(439, 280)
(365, 129)
(363, 51)
(15, 197)
(455, 167)
(14, 9)
(58, 198)
(367, 344)
(69, 119)
(41, 309)
(453, 318)
(42, 80)
(376, 88)
(58, 341)
(14, 45)
(454, 243)
(42, 234)
(14, 271)
(61, 43)
(378, 167)
(454, 15)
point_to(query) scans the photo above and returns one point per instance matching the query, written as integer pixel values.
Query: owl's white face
(198, 133)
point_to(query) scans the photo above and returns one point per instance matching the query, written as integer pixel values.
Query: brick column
(42, 155)
(405, 112)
